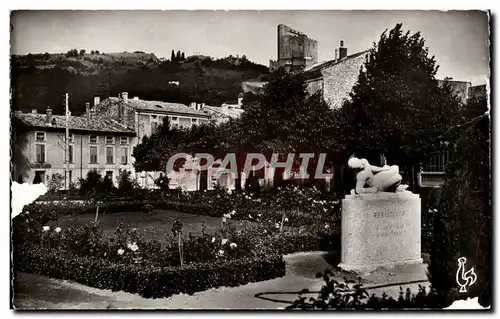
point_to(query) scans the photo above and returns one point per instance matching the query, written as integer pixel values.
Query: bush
(350, 295)
(126, 183)
(148, 281)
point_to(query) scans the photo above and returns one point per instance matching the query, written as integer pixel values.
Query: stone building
(335, 78)
(296, 51)
(95, 143)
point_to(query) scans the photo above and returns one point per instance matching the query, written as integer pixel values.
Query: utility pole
(66, 152)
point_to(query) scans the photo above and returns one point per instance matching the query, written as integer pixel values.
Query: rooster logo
(465, 278)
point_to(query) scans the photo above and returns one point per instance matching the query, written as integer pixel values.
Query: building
(296, 51)
(337, 77)
(95, 143)
(144, 117)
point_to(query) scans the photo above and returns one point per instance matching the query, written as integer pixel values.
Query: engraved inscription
(388, 214)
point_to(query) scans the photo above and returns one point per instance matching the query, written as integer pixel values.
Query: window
(93, 139)
(123, 140)
(194, 121)
(124, 156)
(110, 140)
(40, 153)
(70, 177)
(70, 155)
(93, 155)
(109, 155)
(40, 136)
(437, 163)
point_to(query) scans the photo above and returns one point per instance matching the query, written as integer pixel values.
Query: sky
(458, 39)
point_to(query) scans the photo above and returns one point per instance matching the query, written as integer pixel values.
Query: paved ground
(37, 292)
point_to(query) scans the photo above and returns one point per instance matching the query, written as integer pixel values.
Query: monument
(380, 220)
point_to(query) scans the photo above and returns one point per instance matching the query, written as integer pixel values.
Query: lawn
(153, 226)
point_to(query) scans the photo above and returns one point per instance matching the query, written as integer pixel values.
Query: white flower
(223, 219)
(57, 230)
(224, 241)
(133, 246)
(46, 228)
(120, 251)
(232, 212)
(27, 212)
(277, 225)
(221, 252)
(250, 216)
(134, 229)
(286, 219)
(265, 231)
(260, 215)
(327, 226)
(213, 239)
(325, 209)
(233, 245)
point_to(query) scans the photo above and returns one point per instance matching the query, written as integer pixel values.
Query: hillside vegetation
(41, 80)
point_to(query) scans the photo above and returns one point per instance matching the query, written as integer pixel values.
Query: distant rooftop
(79, 123)
(156, 106)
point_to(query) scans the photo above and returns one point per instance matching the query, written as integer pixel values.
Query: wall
(460, 88)
(294, 46)
(314, 86)
(54, 156)
(339, 79)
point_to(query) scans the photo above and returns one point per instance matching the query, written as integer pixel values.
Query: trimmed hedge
(147, 281)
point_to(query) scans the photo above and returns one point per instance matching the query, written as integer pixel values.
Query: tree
(126, 183)
(183, 57)
(397, 107)
(172, 56)
(463, 223)
(92, 52)
(82, 52)
(178, 56)
(96, 51)
(91, 184)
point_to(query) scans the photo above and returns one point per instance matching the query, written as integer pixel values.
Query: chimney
(202, 106)
(49, 116)
(193, 105)
(33, 111)
(87, 110)
(240, 102)
(342, 50)
(97, 100)
(125, 96)
(336, 54)
(136, 98)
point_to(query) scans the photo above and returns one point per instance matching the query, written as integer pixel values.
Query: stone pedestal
(380, 230)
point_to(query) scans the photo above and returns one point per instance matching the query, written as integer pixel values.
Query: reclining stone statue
(372, 179)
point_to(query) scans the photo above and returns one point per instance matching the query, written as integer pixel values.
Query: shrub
(56, 182)
(350, 295)
(126, 183)
(149, 281)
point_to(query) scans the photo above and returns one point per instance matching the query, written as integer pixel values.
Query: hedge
(146, 280)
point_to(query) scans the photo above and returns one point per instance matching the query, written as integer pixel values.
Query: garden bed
(147, 281)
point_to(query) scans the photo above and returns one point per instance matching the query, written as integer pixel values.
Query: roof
(158, 106)
(222, 113)
(76, 123)
(315, 69)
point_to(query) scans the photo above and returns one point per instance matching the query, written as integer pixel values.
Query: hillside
(41, 80)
